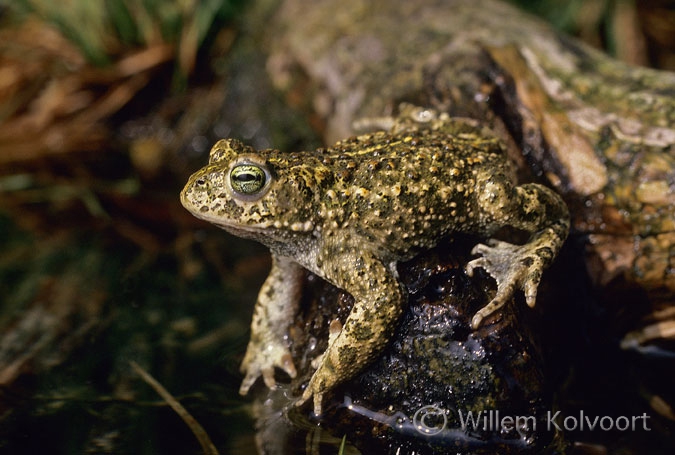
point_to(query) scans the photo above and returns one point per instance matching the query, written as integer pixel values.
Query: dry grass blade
(58, 112)
(195, 427)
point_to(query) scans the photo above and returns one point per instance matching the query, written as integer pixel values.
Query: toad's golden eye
(248, 179)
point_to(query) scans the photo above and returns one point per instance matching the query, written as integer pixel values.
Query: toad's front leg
(532, 208)
(379, 300)
(274, 311)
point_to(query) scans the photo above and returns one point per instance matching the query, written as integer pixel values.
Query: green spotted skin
(350, 212)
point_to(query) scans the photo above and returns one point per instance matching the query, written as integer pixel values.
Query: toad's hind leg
(539, 211)
(379, 300)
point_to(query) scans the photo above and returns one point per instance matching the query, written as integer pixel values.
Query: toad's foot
(312, 389)
(322, 379)
(260, 359)
(318, 398)
(513, 267)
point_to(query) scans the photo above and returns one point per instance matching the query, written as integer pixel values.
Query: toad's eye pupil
(247, 179)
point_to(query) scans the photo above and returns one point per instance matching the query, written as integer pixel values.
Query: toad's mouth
(234, 227)
(204, 212)
(251, 226)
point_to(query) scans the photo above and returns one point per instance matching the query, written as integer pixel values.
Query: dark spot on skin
(361, 331)
(544, 252)
(348, 355)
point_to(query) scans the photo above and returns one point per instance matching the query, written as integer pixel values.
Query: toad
(350, 212)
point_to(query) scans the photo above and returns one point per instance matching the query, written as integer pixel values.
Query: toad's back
(405, 191)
